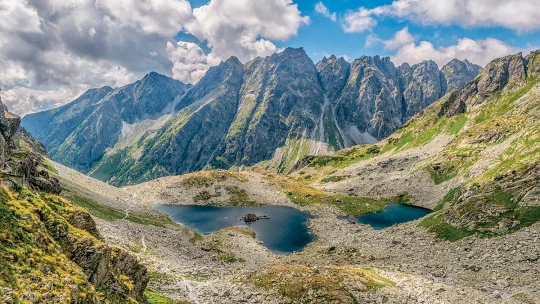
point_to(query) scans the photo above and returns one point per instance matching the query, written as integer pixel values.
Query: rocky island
(251, 217)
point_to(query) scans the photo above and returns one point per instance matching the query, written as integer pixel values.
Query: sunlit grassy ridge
(492, 204)
(35, 259)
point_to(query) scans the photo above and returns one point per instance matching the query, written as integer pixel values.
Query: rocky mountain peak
(533, 63)
(233, 60)
(333, 74)
(502, 74)
(216, 74)
(292, 52)
(457, 73)
(289, 59)
(153, 74)
(373, 61)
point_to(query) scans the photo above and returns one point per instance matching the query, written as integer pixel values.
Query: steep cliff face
(457, 73)
(53, 127)
(50, 250)
(8, 127)
(504, 74)
(333, 73)
(370, 103)
(271, 111)
(422, 85)
(371, 98)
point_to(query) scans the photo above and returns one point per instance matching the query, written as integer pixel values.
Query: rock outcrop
(19, 166)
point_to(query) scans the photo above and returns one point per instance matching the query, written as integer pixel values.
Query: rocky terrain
(274, 110)
(51, 250)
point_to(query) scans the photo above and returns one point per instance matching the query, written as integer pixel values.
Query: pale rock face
(423, 85)
(458, 73)
(280, 100)
(274, 109)
(333, 73)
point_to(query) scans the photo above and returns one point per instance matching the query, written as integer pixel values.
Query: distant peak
(294, 51)
(457, 61)
(106, 88)
(153, 74)
(233, 60)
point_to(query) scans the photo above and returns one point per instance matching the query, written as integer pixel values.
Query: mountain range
(270, 111)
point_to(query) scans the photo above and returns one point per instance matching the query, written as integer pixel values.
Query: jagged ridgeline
(473, 156)
(50, 250)
(270, 111)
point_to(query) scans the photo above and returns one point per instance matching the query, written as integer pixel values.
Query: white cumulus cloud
(321, 9)
(480, 51)
(245, 28)
(359, 21)
(190, 62)
(400, 38)
(519, 15)
(52, 50)
(165, 17)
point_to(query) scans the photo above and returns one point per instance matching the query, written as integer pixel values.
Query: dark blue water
(393, 214)
(285, 232)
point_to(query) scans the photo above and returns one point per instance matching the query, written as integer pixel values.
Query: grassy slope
(32, 255)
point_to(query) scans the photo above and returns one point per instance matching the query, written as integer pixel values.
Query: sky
(51, 51)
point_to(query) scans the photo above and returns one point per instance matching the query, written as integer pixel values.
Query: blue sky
(324, 36)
